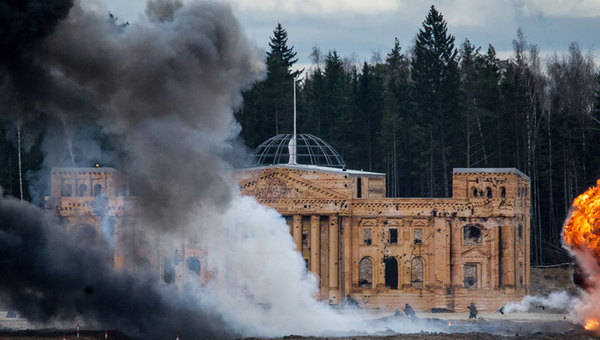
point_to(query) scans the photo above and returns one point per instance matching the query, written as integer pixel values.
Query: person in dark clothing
(350, 301)
(409, 311)
(472, 311)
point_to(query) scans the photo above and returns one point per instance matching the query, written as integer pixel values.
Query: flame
(582, 230)
(591, 325)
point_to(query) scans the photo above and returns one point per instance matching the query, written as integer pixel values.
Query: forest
(416, 114)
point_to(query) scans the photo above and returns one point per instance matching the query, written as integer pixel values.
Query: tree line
(418, 113)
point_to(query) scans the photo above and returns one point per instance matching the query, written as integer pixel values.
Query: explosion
(581, 234)
(591, 325)
(582, 230)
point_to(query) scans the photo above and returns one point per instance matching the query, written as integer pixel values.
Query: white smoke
(556, 301)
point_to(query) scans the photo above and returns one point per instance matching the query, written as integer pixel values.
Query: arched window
(488, 192)
(97, 190)
(193, 264)
(502, 192)
(82, 190)
(474, 190)
(365, 273)
(416, 273)
(471, 235)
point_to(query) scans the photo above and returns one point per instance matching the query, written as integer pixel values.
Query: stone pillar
(315, 243)
(347, 256)
(334, 268)
(297, 232)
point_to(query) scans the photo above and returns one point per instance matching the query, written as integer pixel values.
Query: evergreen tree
(435, 77)
(397, 123)
(268, 106)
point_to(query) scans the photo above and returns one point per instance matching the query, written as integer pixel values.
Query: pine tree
(435, 77)
(268, 106)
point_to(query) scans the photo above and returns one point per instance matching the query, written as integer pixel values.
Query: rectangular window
(358, 188)
(418, 236)
(66, 190)
(367, 238)
(393, 239)
(521, 274)
(470, 276)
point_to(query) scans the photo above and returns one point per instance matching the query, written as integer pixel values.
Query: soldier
(472, 311)
(409, 311)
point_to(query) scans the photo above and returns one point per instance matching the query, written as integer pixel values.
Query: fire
(582, 231)
(591, 325)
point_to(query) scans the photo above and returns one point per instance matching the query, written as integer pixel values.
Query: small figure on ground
(350, 301)
(472, 311)
(398, 313)
(501, 310)
(409, 311)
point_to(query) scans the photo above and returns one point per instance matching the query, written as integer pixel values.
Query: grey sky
(358, 28)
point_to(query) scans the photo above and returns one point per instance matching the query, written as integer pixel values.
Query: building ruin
(433, 253)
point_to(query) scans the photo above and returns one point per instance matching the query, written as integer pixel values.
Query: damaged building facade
(433, 253)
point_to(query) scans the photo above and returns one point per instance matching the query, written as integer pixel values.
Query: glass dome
(310, 150)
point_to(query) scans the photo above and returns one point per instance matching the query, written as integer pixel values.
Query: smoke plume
(153, 98)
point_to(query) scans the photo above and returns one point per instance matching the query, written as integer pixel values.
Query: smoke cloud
(154, 99)
(557, 301)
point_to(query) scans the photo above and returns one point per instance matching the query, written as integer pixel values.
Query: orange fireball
(582, 230)
(591, 325)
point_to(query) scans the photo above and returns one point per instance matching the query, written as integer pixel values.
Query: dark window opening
(416, 273)
(82, 190)
(470, 276)
(521, 274)
(358, 188)
(367, 238)
(471, 235)
(168, 271)
(97, 190)
(488, 191)
(391, 272)
(193, 264)
(365, 273)
(474, 191)
(393, 236)
(305, 239)
(503, 192)
(520, 232)
(306, 264)
(66, 190)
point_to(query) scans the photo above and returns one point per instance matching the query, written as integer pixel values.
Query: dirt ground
(450, 326)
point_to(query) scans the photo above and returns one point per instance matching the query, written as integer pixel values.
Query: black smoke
(50, 275)
(153, 99)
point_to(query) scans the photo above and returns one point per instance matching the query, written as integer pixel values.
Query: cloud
(319, 7)
(559, 8)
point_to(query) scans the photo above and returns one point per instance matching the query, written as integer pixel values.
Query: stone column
(315, 243)
(297, 232)
(347, 231)
(334, 267)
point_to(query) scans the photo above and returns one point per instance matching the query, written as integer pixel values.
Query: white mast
(292, 145)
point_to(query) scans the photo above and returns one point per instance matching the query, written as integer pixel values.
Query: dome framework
(310, 150)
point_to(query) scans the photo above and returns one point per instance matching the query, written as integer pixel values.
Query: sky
(360, 29)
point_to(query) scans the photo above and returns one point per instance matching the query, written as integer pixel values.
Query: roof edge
(490, 170)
